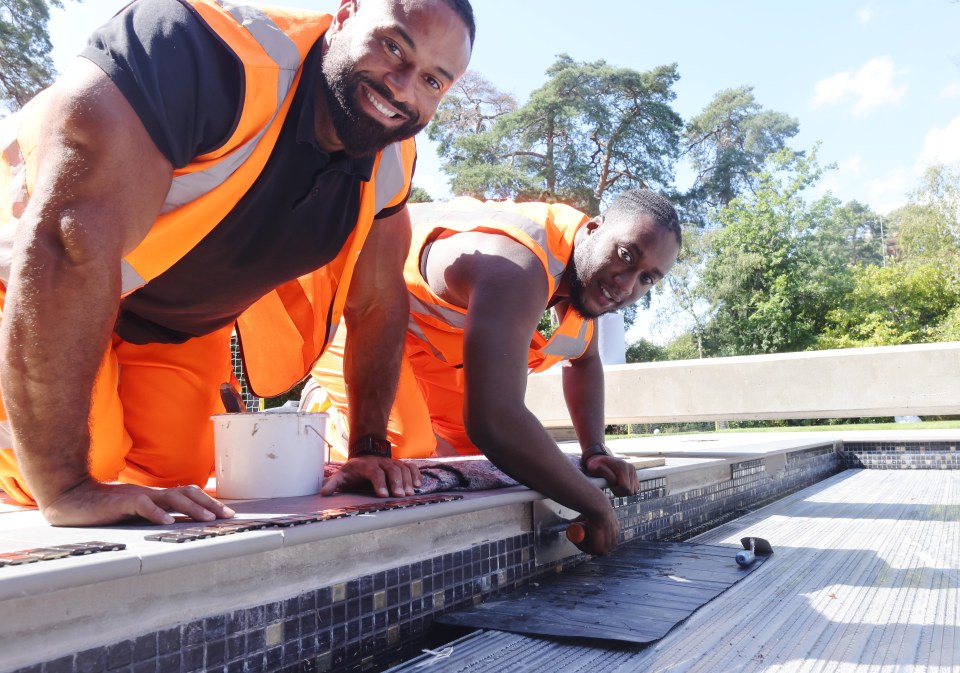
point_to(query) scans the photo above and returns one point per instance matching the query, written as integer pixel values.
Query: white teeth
(607, 294)
(384, 111)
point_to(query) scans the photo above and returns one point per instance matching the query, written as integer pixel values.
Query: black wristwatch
(370, 445)
(598, 449)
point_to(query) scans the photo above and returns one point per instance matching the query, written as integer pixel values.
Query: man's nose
(628, 282)
(400, 82)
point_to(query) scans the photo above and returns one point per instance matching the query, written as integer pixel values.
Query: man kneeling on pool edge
(479, 277)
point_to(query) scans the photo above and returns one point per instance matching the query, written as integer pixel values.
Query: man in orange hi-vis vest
(479, 277)
(201, 167)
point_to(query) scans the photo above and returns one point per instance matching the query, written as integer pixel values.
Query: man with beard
(480, 276)
(204, 166)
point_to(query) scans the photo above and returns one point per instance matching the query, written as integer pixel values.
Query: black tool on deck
(752, 547)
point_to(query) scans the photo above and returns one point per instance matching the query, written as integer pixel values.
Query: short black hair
(635, 202)
(465, 11)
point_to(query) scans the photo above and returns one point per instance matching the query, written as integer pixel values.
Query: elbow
(486, 433)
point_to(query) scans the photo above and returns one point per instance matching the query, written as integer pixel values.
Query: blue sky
(877, 83)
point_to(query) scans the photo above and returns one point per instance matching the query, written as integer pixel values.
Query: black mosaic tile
(91, 661)
(61, 665)
(148, 666)
(119, 655)
(145, 648)
(170, 662)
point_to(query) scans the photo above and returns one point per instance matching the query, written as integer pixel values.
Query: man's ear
(346, 11)
(594, 223)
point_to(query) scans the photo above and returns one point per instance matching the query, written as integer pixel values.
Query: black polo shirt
(186, 87)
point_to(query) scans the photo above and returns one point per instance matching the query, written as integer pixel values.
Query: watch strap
(598, 449)
(370, 445)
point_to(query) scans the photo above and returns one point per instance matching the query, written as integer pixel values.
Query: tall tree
(25, 64)
(764, 264)
(591, 131)
(729, 142)
(471, 150)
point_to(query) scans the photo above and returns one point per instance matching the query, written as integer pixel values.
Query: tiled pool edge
(375, 620)
(378, 619)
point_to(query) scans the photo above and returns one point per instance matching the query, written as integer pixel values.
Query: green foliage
(915, 296)
(729, 142)
(684, 347)
(25, 64)
(419, 195)
(769, 279)
(591, 131)
(645, 351)
(901, 303)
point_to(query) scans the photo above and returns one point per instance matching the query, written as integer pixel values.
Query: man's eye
(625, 255)
(393, 47)
(433, 83)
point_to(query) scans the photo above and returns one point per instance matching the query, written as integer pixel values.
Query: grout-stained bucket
(269, 454)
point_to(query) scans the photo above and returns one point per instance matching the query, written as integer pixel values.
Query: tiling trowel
(554, 531)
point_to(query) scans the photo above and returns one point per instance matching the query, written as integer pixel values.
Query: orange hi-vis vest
(436, 326)
(284, 332)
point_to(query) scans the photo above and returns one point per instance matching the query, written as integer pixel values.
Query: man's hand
(91, 503)
(620, 475)
(602, 531)
(400, 476)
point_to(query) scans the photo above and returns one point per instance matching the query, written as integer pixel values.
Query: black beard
(361, 135)
(576, 298)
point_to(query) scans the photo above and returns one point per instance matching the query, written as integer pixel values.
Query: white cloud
(851, 166)
(890, 191)
(870, 87)
(941, 146)
(952, 90)
(864, 14)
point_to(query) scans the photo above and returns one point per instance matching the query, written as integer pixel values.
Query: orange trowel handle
(576, 532)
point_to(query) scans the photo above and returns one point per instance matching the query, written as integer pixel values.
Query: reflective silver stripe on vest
(445, 315)
(389, 179)
(17, 195)
(283, 51)
(426, 214)
(414, 328)
(129, 278)
(566, 346)
(10, 146)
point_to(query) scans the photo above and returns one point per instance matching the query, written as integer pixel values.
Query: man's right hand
(602, 532)
(91, 503)
(387, 477)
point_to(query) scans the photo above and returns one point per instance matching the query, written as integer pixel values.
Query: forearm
(57, 321)
(518, 444)
(583, 393)
(372, 357)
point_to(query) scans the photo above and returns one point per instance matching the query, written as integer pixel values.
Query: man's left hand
(387, 477)
(621, 476)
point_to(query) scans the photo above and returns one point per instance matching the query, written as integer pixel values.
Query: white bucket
(269, 455)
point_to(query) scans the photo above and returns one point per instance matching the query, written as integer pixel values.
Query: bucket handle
(329, 447)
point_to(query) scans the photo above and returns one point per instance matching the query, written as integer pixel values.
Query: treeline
(765, 268)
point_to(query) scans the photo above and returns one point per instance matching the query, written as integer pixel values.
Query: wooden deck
(865, 578)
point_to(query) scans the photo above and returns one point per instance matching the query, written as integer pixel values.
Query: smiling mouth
(381, 108)
(611, 298)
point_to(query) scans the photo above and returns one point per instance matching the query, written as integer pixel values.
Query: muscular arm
(507, 294)
(376, 316)
(583, 393)
(100, 184)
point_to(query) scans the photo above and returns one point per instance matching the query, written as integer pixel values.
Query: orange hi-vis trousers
(149, 417)
(428, 406)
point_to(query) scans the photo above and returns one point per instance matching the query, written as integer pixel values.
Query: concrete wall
(884, 381)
